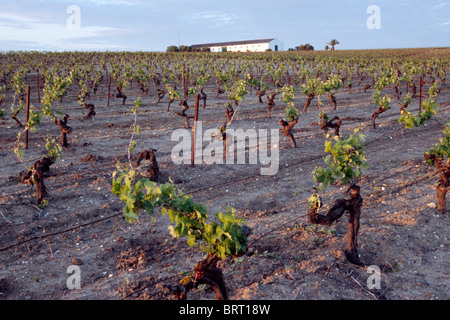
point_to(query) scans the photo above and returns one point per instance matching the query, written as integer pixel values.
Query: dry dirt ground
(401, 231)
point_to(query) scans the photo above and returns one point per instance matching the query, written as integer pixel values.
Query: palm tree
(332, 43)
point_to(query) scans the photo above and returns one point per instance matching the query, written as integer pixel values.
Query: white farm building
(259, 45)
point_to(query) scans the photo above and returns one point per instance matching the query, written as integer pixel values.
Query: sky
(133, 25)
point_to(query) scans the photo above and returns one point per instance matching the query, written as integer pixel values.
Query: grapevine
(345, 161)
(223, 235)
(439, 156)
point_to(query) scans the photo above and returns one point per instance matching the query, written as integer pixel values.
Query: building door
(276, 47)
(224, 49)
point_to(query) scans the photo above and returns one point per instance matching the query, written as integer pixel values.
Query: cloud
(38, 33)
(113, 2)
(213, 19)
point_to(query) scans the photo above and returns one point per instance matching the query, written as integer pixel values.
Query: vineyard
(88, 179)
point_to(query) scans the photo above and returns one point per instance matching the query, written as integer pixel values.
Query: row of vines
(180, 81)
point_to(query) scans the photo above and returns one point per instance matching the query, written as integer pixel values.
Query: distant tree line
(302, 47)
(306, 47)
(183, 48)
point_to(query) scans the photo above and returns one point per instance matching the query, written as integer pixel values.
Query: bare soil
(401, 231)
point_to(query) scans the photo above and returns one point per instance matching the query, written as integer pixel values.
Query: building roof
(231, 43)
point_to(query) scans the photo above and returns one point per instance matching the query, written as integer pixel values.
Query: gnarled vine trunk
(160, 94)
(335, 123)
(169, 103)
(205, 272)
(353, 207)
(308, 101)
(152, 168)
(91, 111)
(413, 90)
(398, 93)
(333, 100)
(441, 193)
(260, 94)
(229, 112)
(183, 113)
(286, 130)
(443, 185)
(203, 97)
(65, 129)
(122, 95)
(219, 91)
(270, 103)
(36, 176)
(375, 115)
